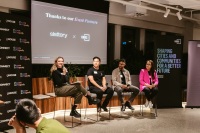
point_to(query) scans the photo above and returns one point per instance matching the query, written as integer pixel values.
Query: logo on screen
(19, 49)
(177, 41)
(23, 24)
(12, 93)
(24, 58)
(5, 84)
(18, 66)
(11, 39)
(6, 48)
(4, 29)
(24, 41)
(10, 110)
(11, 75)
(85, 37)
(7, 102)
(24, 75)
(4, 121)
(25, 92)
(11, 57)
(16, 101)
(18, 32)
(4, 66)
(19, 84)
(10, 21)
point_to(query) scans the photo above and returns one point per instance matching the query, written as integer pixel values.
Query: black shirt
(122, 77)
(150, 77)
(97, 75)
(58, 78)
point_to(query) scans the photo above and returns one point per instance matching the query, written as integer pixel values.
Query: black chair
(73, 123)
(93, 95)
(124, 93)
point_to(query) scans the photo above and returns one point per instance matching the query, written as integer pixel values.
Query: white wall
(153, 20)
(196, 34)
(5, 5)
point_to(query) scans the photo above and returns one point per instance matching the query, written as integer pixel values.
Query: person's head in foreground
(28, 114)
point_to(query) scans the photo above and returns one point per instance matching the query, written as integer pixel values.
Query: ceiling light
(166, 13)
(179, 15)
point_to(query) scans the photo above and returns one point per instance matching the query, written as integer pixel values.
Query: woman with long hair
(148, 79)
(63, 88)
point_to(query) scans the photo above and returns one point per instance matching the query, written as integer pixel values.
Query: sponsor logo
(25, 92)
(19, 84)
(24, 58)
(86, 37)
(23, 24)
(10, 21)
(11, 39)
(4, 48)
(19, 49)
(4, 84)
(12, 93)
(7, 102)
(177, 41)
(11, 57)
(24, 75)
(4, 121)
(11, 75)
(23, 41)
(18, 66)
(16, 101)
(18, 32)
(11, 110)
(4, 29)
(4, 66)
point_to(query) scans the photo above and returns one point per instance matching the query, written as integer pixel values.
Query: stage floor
(174, 120)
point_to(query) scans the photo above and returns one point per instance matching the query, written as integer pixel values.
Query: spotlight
(179, 15)
(166, 13)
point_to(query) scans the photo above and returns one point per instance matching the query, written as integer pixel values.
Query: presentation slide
(75, 34)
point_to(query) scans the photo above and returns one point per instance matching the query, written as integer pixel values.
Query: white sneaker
(146, 103)
(150, 104)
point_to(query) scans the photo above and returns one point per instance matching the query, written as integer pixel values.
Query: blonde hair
(54, 66)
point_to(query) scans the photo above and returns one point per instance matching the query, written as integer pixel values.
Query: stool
(73, 123)
(141, 94)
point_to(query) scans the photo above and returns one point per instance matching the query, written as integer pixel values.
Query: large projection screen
(75, 34)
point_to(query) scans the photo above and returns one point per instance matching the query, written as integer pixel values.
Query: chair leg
(54, 107)
(141, 104)
(88, 117)
(155, 102)
(73, 124)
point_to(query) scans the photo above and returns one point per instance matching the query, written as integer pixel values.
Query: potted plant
(73, 71)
